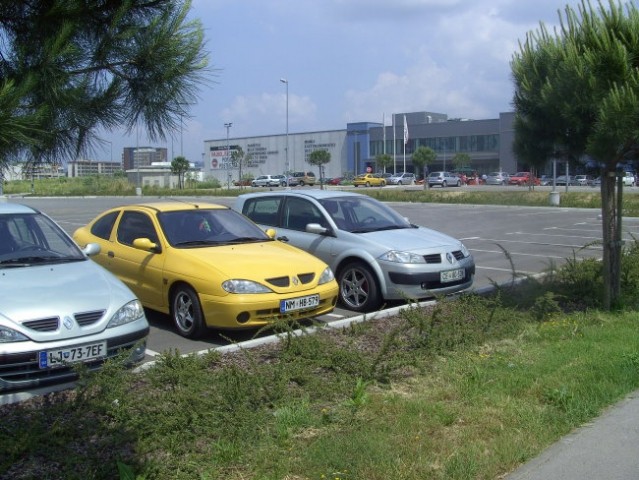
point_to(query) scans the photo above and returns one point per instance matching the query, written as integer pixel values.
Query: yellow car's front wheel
(187, 312)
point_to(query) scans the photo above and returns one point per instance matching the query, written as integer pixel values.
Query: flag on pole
(405, 131)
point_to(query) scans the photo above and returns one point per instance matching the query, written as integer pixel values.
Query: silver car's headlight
(128, 313)
(401, 257)
(326, 276)
(244, 286)
(8, 335)
(465, 251)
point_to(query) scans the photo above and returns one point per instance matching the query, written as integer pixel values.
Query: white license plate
(63, 356)
(452, 275)
(299, 303)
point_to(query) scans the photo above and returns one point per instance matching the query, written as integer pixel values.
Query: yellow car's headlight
(244, 286)
(326, 276)
(128, 313)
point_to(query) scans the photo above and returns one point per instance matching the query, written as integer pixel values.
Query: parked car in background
(402, 178)
(57, 307)
(444, 179)
(545, 180)
(629, 179)
(369, 180)
(584, 180)
(269, 181)
(245, 182)
(376, 253)
(564, 180)
(497, 178)
(303, 178)
(208, 266)
(335, 181)
(523, 178)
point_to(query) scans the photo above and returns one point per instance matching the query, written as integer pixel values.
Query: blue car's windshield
(33, 238)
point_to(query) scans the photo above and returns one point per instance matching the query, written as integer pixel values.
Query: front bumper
(21, 370)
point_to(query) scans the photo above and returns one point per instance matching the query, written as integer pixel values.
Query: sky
(348, 61)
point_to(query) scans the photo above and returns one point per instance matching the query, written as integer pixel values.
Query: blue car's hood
(36, 292)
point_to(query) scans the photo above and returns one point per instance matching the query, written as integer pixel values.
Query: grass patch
(466, 389)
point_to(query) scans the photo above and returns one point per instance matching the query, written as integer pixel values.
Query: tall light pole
(285, 81)
(228, 156)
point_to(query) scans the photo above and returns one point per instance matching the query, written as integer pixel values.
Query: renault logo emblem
(450, 258)
(68, 323)
(295, 281)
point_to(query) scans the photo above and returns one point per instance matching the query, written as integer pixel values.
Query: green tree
(383, 160)
(70, 69)
(179, 166)
(241, 159)
(461, 160)
(421, 157)
(577, 93)
(319, 158)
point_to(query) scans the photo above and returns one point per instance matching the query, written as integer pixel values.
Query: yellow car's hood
(252, 261)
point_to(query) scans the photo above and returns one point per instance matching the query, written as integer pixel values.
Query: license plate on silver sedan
(63, 356)
(452, 275)
(299, 303)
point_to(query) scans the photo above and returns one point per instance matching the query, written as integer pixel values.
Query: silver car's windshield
(28, 239)
(208, 227)
(363, 214)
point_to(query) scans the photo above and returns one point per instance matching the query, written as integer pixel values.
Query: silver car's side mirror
(91, 249)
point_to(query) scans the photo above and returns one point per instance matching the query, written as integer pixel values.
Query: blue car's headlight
(326, 276)
(465, 251)
(128, 313)
(8, 335)
(244, 286)
(396, 256)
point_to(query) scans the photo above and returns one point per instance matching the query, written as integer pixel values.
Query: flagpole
(405, 140)
(394, 147)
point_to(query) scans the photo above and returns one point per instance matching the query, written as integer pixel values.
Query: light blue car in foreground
(58, 307)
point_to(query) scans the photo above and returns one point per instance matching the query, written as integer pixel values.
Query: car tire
(301, 183)
(459, 183)
(444, 184)
(399, 182)
(358, 288)
(186, 312)
(368, 184)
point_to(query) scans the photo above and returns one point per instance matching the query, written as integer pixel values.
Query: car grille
(281, 282)
(43, 324)
(437, 258)
(51, 324)
(88, 318)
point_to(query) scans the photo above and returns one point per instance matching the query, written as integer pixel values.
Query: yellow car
(208, 266)
(369, 180)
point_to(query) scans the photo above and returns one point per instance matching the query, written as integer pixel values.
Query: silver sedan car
(58, 307)
(375, 253)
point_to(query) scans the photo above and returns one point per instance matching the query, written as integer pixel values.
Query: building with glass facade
(488, 144)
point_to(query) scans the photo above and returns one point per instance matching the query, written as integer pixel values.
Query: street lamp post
(228, 156)
(285, 81)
